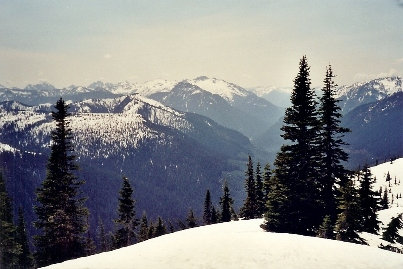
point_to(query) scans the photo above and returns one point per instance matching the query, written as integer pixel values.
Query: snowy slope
(367, 92)
(241, 244)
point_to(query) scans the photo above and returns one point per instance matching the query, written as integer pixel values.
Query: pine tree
(266, 182)
(151, 231)
(25, 259)
(9, 249)
(60, 210)
(391, 233)
(191, 219)
(126, 221)
(385, 200)
(160, 228)
(332, 154)
(259, 190)
(103, 244)
(214, 216)
(368, 203)
(346, 224)
(207, 209)
(226, 204)
(248, 211)
(388, 178)
(143, 233)
(326, 228)
(294, 204)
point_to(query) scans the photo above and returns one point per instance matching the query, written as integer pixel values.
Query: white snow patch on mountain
(241, 244)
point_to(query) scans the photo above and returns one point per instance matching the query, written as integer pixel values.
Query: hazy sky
(248, 42)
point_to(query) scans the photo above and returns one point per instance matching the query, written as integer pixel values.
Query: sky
(247, 42)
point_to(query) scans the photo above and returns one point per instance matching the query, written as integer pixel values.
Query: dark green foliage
(151, 231)
(143, 232)
(191, 219)
(388, 178)
(9, 249)
(60, 210)
(103, 242)
(293, 205)
(90, 247)
(248, 211)
(126, 222)
(207, 209)
(214, 216)
(391, 233)
(368, 203)
(160, 228)
(384, 200)
(234, 215)
(326, 228)
(25, 259)
(226, 204)
(259, 190)
(347, 225)
(332, 155)
(266, 182)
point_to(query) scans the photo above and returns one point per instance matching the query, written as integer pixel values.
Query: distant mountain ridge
(168, 155)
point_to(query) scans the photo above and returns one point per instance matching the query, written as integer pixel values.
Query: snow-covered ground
(241, 244)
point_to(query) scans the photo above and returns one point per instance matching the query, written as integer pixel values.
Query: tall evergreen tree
(9, 249)
(368, 203)
(103, 242)
(126, 221)
(143, 232)
(391, 233)
(207, 209)
(191, 219)
(60, 210)
(248, 211)
(330, 145)
(226, 204)
(347, 226)
(259, 190)
(326, 228)
(25, 259)
(385, 200)
(160, 229)
(266, 182)
(214, 216)
(293, 205)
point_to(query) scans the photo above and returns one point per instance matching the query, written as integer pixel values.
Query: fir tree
(9, 249)
(143, 233)
(248, 211)
(60, 210)
(103, 244)
(259, 190)
(207, 209)
(330, 146)
(346, 224)
(160, 228)
(126, 221)
(266, 182)
(214, 215)
(191, 219)
(368, 203)
(391, 233)
(385, 200)
(326, 228)
(151, 231)
(294, 205)
(226, 204)
(388, 178)
(25, 259)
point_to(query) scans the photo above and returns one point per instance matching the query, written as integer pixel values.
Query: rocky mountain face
(368, 92)
(171, 157)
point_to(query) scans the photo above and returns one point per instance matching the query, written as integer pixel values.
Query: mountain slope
(171, 157)
(368, 92)
(376, 130)
(241, 244)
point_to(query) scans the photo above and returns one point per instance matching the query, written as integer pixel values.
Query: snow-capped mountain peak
(43, 86)
(226, 90)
